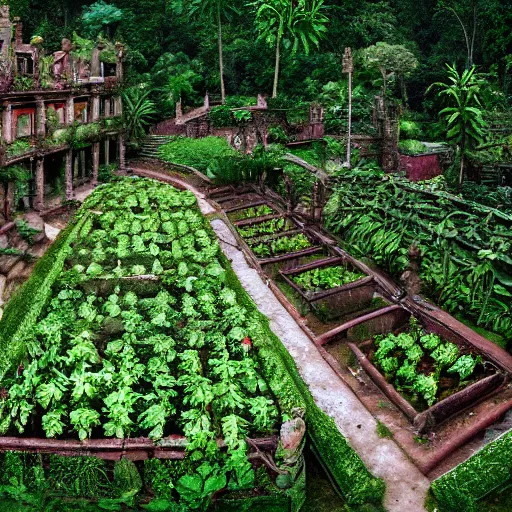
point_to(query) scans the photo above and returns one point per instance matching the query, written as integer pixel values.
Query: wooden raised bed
(316, 247)
(449, 406)
(344, 299)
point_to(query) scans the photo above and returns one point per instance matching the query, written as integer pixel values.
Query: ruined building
(60, 118)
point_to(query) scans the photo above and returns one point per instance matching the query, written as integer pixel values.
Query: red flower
(246, 344)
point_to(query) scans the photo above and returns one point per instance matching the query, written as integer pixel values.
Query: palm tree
(137, 112)
(215, 10)
(297, 23)
(463, 115)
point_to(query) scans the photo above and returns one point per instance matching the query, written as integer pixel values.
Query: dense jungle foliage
(173, 44)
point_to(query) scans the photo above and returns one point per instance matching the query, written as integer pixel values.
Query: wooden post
(95, 162)
(68, 160)
(39, 199)
(107, 108)
(95, 114)
(348, 67)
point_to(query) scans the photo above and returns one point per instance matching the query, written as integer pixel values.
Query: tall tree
(390, 59)
(463, 115)
(215, 11)
(292, 23)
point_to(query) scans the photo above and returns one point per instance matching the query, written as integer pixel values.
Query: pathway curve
(406, 486)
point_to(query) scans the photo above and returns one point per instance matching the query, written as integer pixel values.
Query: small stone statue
(61, 61)
(410, 278)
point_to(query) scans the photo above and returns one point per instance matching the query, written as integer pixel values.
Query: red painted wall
(421, 167)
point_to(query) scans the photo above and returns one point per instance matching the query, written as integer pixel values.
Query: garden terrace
(147, 365)
(344, 319)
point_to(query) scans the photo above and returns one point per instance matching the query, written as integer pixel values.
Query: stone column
(122, 154)
(40, 118)
(95, 162)
(118, 106)
(70, 111)
(39, 199)
(95, 111)
(107, 107)
(9, 200)
(107, 152)
(68, 162)
(7, 124)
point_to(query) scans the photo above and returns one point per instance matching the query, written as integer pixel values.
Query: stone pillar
(7, 124)
(118, 106)
(179, 112)
(122, 154)
(95, 110)
(9, 200)
(107, 152)
(207, 101)
(119, 62)
(70, 111)
(68, 162)
(107, 107)
(95, 162)
(40, 118)
(39, 199)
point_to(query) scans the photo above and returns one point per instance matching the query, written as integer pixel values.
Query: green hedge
(25, 306)
(460, 489)
(356, 483)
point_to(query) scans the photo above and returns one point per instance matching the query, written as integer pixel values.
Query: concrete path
(406, 487)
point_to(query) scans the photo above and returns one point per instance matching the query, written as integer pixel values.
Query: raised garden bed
(268, 225)
(251, 212)
(428, 374)
(122, 363)
(334, 285)
(283, 246)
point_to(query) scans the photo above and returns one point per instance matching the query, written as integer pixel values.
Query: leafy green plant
(265, 228)
(326, 278)
(138, 112)
(411, 147)
(281, 245)
(463, 113)
(26, 232)
(399, 357)
(252, 212)
(18, 147)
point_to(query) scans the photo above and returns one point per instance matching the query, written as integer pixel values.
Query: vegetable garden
(143, 336)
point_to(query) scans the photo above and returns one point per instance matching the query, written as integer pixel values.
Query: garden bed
(283, 246)
(257, 211)
(122, 363)
(268, 225)
(427, 377)
(334, 285)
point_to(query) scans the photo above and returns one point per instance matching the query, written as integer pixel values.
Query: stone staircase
(150, 145)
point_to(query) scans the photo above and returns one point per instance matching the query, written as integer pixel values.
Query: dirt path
(406, 487)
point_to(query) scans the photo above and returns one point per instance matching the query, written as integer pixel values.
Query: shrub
(412, 147)
(197, 153)
(409, 129)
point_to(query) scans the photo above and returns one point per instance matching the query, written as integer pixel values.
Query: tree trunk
(221, 56)
(278, 62)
